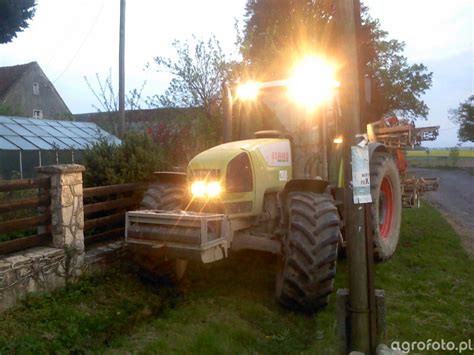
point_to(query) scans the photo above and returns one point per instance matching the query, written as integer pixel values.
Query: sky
(75, 39)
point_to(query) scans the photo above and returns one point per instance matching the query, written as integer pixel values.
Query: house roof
(10, 75)
(141, 119)
(142, 115)
(37, 134)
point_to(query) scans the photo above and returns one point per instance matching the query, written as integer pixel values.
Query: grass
(228, 307)
(464, 153)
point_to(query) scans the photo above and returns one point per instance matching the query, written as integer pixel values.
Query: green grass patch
(228, 306)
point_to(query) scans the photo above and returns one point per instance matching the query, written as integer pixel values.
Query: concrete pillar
(67, 213)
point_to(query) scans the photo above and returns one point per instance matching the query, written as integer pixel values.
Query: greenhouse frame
(26, 143)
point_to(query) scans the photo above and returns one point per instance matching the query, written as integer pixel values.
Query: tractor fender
(310, 185)
(377, 147)
(170, 177)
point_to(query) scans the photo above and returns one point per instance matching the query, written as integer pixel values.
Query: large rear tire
(168, 197)
(306, 273)
(386, 207)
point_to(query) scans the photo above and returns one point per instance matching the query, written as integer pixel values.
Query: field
(463, 153)
(228, 307)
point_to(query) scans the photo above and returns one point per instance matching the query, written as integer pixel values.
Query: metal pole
(122, 69)
(39, 157)
(227, 108)
(354, 214)
(21, 166)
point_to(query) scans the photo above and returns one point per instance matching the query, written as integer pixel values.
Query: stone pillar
(67, 213)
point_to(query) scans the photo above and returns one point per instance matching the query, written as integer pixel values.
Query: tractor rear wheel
(386, 206)
(168, 197)
(306, 272)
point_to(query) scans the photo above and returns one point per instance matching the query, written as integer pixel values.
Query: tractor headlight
(198, 189)
(213, 189)
(209, 189)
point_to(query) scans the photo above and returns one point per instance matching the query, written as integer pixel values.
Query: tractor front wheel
(153, 265)
(307, 269)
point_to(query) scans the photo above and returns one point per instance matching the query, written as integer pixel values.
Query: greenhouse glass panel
(4, 144)
(73, 143)
(56, 142)
(18, 129)
(22, 143)
(40, 143)
(37, 130)
(4, 131)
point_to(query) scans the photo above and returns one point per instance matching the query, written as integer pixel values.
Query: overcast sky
(73, 39)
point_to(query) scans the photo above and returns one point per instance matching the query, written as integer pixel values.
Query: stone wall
(46, 268)
(35, 269)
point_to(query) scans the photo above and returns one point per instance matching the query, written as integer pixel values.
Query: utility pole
(122, 69)
(355, 229)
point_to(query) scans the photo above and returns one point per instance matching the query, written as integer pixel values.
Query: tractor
(280, 192)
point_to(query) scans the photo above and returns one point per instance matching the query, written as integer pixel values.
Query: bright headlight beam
(201, 189)
(198, 189)
(248, 91)
(312, 82)
(213, 189)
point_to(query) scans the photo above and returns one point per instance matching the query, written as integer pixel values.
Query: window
(239, 174)
(36, 88)
(37, 113)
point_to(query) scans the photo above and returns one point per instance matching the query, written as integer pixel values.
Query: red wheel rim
(385, 208)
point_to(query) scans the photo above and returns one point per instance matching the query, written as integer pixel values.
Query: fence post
(67, 213)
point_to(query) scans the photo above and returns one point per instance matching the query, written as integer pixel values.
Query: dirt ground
(455, 199)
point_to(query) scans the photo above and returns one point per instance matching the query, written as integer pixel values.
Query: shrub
(134, 160)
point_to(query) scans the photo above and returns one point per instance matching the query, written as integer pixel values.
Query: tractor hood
(239, 174)
(218, 157)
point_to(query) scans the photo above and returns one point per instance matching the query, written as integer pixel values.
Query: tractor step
(189, 235)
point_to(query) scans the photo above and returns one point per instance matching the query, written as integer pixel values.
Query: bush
(185, 136)
(134, 160)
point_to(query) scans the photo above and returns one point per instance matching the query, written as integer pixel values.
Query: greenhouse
(26, 143)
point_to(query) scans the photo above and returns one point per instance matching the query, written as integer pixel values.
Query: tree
(108, 99)
(464, 117)
(278, 32)
(14, 16)
(198, 72)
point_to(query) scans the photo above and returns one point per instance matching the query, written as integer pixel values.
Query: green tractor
(281, 193)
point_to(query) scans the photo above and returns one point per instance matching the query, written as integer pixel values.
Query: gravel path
(455, 199)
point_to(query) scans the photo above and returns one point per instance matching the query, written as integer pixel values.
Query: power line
(82, 44)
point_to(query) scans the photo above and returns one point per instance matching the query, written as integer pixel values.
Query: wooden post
(122, 69)
(359, 316)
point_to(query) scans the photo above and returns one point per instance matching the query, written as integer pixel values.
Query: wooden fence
(104, 210)
(25, 216)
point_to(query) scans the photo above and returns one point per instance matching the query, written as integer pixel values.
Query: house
(27, 92)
